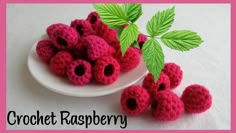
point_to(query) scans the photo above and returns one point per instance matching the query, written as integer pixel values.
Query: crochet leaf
(111, 14)
(161, 22)
(153, 57)
(182, 40)
(134, 11)
(128, 36)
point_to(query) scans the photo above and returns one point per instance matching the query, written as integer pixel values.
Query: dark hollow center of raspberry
(79, 70)
(93, 19)
(79, 29)
(161, 87)
(141, 44)
(131, 103)
(109, 69)
(61, 41)
(154, 105)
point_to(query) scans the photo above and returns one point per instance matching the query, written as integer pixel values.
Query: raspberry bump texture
(196, 98)
(45, 50)
(59, 63)
(175, 74)
(135, 100)
(167, 106)
(96, 47)
(106, 70)
(153, 87)
(79, 72)
(65, 38)
(130, 60)
(53, 27)
(83, 27)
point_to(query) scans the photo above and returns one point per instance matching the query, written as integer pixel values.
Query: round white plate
(40, 71)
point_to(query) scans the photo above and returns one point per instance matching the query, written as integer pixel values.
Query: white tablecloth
(208, 65)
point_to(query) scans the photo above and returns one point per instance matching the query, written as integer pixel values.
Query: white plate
(40, 71)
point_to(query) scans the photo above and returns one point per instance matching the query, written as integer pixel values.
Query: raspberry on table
(83, 27)
(106, 70)
(79, 72)
(53, 27)
(96, 47)
(175, 74)
(134, 100)
(45, 50)
(65, 38)
(166, 106)
(196, 99)
(130, 60)
(59, 63)
(153, 87)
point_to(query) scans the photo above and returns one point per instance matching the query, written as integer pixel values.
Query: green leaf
(136, 44)
(128, 36)
(182, 40)
(134, 11)
(111, 14)
(161, 22)
(153, 57)
(120, 30)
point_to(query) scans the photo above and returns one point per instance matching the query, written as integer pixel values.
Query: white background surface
(208, 65)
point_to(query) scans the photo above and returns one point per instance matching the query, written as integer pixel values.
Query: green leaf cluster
(116, 16)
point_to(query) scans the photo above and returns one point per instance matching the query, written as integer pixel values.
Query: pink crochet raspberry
(79, 72)
(59, 63)
(83, 27)
(79, 51)
(141, 40)
(175, 74)
(96, 47)
(134, 100)
(93, 18)
(110, 36)
(106, 70)
(167, 106)
(50, 29)
(130, 60)
(65, 38)
(196, 98)
(45, 50)
(152, 87)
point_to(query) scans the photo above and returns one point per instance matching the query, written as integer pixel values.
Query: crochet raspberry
(45, 50)
(141, 40)
(167, 106)
(59, 63)
(93, 18)
(130, 60)
(79, 72)
(196, 98)
(99, 27)
(106, 70)
(96, 47)
(110, 36)
(65, 38)
(175, 74)
(78, 51)
(51, 28)
(152, 87)
(134, 100)
(83, 27)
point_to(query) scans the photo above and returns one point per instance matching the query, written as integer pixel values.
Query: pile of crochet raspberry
(86, 50)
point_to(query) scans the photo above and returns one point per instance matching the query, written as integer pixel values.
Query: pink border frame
(3, 4)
